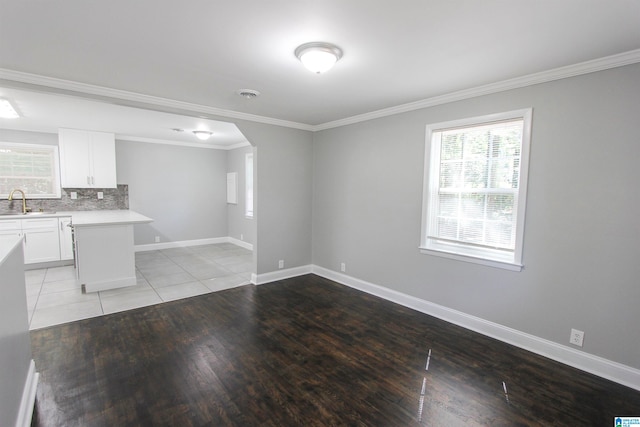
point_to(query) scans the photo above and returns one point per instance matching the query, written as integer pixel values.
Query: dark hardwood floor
(303, 352)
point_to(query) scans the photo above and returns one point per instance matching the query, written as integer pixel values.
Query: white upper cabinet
(87, 159)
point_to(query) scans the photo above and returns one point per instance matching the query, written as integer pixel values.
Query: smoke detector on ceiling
(248, 93)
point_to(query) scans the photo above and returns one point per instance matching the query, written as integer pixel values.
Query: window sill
(505, 265)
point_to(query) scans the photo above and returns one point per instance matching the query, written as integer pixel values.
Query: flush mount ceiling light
(202, 135)
(248, 93)
(6, 110)
(318, 57)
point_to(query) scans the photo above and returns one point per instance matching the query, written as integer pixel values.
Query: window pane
(472, 231)
(475, 146)
(448, 205)
(448, 228)
(451, 148)
(504, 174)
(451, 174)
(473, 206)
(475, 174)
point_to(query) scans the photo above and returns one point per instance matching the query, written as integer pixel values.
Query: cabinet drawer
(10, 224)
(31, 223)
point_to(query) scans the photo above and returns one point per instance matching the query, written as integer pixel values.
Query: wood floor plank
(303, 352)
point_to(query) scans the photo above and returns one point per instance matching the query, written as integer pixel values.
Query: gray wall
(238, 225)
(9, 135)
(582, 221)
(182, 188)
(282, 163)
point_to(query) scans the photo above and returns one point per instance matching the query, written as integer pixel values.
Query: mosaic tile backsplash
(114, 198)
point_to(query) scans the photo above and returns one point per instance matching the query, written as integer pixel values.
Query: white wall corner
(596, 365)
(27, 403)
(240, 243)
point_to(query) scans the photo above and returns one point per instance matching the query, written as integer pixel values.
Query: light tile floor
(163, 275)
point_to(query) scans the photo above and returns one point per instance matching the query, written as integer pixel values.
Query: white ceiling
(201, 52)
(45, 112)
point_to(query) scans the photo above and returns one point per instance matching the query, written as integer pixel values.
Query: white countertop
(86, 218)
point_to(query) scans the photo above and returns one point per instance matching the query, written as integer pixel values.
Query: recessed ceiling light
(6, 110)
(248, 93)
(318, 57)
(202, 135)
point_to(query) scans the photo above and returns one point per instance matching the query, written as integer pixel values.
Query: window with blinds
(31, 168)
(475, 189)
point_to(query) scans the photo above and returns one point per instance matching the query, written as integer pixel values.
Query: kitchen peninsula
(104, 249)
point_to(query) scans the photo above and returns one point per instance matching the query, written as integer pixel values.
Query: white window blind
(475, 191)
(31, 168)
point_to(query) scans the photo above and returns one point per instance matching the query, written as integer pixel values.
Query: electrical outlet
(74, 195)
(242, 237)
(100, 195)
(576, 338)
(343, 267)
(281, 263)
(157, 239)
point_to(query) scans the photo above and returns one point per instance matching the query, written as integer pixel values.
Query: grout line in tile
(163, 256)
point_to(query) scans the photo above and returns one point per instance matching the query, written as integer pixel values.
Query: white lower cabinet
(44, 239)
(9, 229)
(7, 236)
(41, 240)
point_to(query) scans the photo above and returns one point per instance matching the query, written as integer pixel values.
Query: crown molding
(88, 89)
(181, 143)
(608, 62)
(581, 68)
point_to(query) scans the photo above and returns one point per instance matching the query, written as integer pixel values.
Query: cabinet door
(41, 240)
(66, 239)
(7, 236)
(75, 158)
(41, 245)
(103, 153)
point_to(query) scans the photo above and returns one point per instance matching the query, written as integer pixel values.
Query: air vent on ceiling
(248, 93)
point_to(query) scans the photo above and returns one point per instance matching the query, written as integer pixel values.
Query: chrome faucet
(24, 200)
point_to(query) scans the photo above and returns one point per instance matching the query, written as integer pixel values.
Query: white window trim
(461, 252)
(56, 170)
(249, 214)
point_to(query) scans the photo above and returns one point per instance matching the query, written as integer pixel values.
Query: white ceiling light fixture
(7, 111)
(318, 57)
(202, 135)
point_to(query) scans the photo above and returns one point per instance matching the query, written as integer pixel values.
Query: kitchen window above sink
(31, 167)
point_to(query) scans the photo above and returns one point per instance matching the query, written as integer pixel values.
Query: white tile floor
(164, 275)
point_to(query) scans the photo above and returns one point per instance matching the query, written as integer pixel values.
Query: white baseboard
(261, 279)
(240, 243)
(596, 365)
(187, 243)
(25, 413)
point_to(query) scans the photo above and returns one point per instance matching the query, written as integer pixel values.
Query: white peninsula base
(105, 257)
(104, 250)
